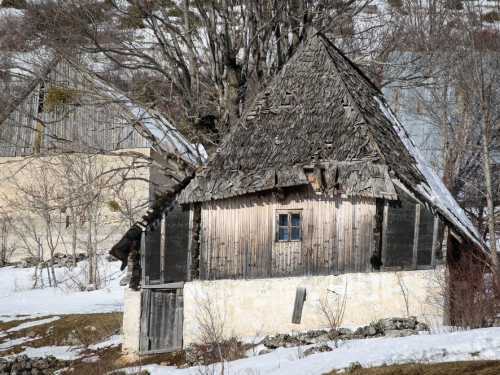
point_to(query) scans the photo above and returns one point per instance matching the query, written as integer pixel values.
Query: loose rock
(317, 349)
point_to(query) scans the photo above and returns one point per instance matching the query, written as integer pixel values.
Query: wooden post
(415, 237)
(385, 218)
(300, 297)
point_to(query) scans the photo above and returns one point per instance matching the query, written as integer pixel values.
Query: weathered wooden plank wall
(93, 122)
(238, 236)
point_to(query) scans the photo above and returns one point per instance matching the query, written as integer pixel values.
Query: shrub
(57, 98)
(17, 4)
(491, 17)
(395, 3)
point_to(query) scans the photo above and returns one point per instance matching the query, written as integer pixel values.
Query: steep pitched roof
(320, 109)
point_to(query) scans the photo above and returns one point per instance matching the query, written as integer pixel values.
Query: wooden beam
(143, 259)
(144, 329)
(300, 297)
(385, 218)
(415, 237)
(163, 223)
(178, 285)
(434, 241)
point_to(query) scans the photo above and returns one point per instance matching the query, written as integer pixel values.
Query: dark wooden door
(161, 320)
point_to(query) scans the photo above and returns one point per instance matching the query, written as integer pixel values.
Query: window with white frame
(288, 226)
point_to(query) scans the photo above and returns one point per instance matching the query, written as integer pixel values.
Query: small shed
(317, 186)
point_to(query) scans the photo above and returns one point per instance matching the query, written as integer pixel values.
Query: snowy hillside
(16, 297)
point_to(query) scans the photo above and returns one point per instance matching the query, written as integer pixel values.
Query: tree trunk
(489, 199)
(52, 270)
(73, 234)
(90, 252)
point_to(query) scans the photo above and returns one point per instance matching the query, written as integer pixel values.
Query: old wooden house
(317, 190)
(70, 110)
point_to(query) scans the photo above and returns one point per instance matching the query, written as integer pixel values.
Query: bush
(395, 3)
(471, 299)
(17, 4)
(491, 17)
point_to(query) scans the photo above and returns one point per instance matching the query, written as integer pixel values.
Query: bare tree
(7, 246)
(40, 197)
(200, 61)
(333, 312)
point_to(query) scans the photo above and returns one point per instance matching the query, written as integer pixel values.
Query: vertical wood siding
(238, 236)
(96, 123)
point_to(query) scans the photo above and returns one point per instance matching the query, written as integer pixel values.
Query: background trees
(203, 62)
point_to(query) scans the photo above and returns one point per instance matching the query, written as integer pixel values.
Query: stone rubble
(492, 322)
(390, 327)
(22, 364)
(60, 260)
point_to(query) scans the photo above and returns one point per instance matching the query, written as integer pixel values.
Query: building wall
(238, 235)
(87, 118)
(265, 306)
(131, 325)
(119, 178)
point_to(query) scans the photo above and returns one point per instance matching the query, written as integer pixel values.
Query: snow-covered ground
(477, 344)
(16, 297)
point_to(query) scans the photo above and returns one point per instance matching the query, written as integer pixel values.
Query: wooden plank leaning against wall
(238, 235)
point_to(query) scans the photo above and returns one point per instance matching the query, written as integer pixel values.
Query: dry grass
(89, 328)
(455, 368)
(230, 350)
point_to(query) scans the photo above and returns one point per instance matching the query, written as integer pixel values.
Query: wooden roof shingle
(321, 110)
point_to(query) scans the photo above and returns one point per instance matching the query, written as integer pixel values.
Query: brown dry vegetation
(107, 324)
(90, 329)
(455, 368)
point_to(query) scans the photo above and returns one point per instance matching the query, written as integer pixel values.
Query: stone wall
(265, 306)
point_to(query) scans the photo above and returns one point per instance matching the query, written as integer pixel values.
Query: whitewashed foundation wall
(265, 306)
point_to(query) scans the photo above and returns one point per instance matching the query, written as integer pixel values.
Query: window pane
(295, 233)
(283, 234)
(295, 220)
(283, 221)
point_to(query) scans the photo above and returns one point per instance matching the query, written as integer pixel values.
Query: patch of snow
(67, 353)
(434, 190)
(10, 343)
(32, 324)
(52, 301)
(91, 359)
(472, 345)
(114, 340)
